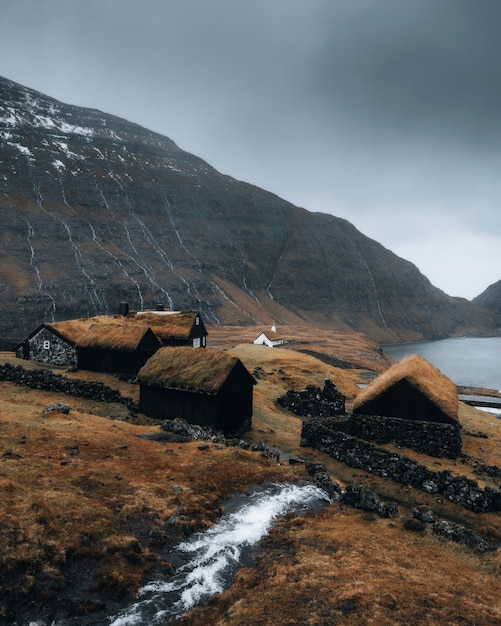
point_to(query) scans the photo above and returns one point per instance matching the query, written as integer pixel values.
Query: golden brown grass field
(89, 509)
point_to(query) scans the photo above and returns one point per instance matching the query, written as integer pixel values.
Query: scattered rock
(388, 509)
(166, 437)
(460, 534)
(195, 432)
(424, 514)
(369, 500)
(10, 454)
(322, 480)
(60, 407)
(296, 460)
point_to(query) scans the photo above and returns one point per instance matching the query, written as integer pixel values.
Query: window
(196, 343)
(46, 345)
(197, 320)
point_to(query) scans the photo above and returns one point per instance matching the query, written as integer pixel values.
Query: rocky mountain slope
(490, 300)
(96, 210)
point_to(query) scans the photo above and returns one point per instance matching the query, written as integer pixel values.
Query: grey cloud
(376, 110)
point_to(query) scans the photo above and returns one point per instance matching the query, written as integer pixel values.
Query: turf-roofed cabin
(205, 387)
(412, 389)
(54, 343)
(176, 328)
(413, 405)
(116, 348)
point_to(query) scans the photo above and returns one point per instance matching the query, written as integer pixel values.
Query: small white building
(263, 340)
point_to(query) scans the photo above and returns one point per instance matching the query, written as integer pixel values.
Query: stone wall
(48, 381)
(433, 438)
(313, 401)
(361, 454)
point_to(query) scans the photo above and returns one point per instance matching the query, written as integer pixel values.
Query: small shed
(117, 348)
(53, 343)
(205, 387)
(264, 340)
(176, 328)
(413, 390)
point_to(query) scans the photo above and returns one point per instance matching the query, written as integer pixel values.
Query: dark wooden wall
(230, 406)
(405, 401)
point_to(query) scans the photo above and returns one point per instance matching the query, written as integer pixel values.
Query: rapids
(210, 560)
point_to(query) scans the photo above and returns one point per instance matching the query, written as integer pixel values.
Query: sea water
(467, 361)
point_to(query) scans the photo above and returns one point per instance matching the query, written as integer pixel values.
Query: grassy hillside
(90, 509)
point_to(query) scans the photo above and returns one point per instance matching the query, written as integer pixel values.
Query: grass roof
(74, 329)
(166, 324)
(113, 336)
(422, 375)
(188, 368)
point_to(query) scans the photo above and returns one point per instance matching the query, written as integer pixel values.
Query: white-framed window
(46, 345)
(197, 320)
(196, 342)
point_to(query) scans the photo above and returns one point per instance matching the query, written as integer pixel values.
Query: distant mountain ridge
(97, 210)
(490, 300)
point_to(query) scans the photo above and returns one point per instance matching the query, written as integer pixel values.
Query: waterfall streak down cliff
(168, 229)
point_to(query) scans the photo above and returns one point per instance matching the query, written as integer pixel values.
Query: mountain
(97, 211)
(490, 300)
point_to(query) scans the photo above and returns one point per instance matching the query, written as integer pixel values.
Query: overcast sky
(383, 112)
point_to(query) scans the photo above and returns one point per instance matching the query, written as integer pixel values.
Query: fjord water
(209, 560)
(468, 361)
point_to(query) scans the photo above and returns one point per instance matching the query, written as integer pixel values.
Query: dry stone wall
(362, 454)
(436, 439)
(48, 381)
(313, 401)
(433, 438)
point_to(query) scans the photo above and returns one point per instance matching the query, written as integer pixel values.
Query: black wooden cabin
(412, 389)
(176, 328)
(205, 387)
(116, 348)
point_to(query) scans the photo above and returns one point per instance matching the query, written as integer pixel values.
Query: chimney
(123, 309)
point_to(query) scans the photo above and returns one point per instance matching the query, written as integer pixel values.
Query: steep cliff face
(96, 210)
(490, 300)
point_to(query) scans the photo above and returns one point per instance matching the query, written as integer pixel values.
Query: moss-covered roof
(113, 336)
(166, 325)
(74, 329)
(421, 375)
(194, 369)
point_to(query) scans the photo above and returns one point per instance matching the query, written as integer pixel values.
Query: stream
(207, 562)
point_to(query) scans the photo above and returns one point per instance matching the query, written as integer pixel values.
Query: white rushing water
(213, 557)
